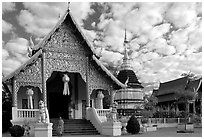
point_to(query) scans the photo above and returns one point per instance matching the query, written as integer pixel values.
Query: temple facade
(63, 72)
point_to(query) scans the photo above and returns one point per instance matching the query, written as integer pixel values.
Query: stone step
(75, 127)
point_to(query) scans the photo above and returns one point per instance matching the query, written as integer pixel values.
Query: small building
(167, 93)
(129, 99)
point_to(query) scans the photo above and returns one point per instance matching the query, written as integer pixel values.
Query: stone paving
(161, 132)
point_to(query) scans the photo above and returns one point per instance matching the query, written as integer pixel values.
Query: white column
(44, 90)
(100, 97)
(87, 83)
(30, 98)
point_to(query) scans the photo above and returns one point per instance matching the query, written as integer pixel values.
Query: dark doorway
(58, 103)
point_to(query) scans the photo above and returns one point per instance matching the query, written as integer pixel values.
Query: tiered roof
(126, 74)
(167, 90)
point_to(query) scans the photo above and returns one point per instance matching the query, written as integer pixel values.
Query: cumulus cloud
(14, 54)
(81, 11)
(18, 45)
(6, 27)
(8, 6)
(181, 14)
(111, 58)
(9, 65)
(5, 54)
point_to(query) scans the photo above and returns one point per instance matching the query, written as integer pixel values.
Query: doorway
(58, 104)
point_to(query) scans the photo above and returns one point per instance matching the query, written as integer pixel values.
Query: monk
(60, 126)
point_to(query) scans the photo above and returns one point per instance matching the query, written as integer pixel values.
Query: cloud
(181, 14)
(35, 25)
(81, 11)
(111, 58)
(18, 45)
(5, 54)
(14, 54)
(6, 27)
(8, 7)
(9, 65)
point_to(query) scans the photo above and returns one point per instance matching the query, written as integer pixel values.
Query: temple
(167, 94)
(66, 75)
(130, 99)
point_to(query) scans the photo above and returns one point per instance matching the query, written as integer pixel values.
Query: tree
(149, 106)
(185, 96)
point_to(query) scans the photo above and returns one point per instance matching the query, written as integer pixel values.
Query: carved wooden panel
(65, 65)
(34, 84)
(98, 80)
(64, 37)
(31, 74)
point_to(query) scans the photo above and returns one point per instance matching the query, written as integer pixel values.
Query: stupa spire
(126, 59)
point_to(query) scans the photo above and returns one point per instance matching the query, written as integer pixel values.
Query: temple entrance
(67, 106)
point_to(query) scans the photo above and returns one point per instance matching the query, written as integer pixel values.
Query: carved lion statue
(43, 113)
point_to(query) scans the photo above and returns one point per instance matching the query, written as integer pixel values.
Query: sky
(165, 39)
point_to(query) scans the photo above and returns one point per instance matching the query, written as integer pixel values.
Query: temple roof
(38, 50)
(126, 74)
(167, 90)
(128, 77)
(171, 86)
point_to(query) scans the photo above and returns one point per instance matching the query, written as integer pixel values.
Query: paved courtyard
(169, 132)
(161, 132)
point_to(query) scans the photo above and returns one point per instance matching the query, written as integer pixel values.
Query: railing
(102, 112)
(94, 118)
(27, 113)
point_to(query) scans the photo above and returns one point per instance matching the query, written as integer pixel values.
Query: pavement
(167, 132)
(161, 132)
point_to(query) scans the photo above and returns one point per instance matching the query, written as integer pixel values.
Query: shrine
(129, 99)
(62, 72)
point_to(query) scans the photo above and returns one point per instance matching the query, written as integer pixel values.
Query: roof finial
(125, 45)
(68, 8)
(125, 40)
(31, 42)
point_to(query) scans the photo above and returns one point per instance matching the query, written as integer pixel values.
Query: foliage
(133, 125)
(190, 75)
(6, 108)
(106, 101)
(149, 106)
(16, 131)
(184, 96)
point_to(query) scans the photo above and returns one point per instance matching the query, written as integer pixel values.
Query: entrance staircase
(75, 127)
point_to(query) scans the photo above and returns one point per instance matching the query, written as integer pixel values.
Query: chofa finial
(68, 8)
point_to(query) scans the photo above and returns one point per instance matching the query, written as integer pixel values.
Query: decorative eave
(108, 72)
(22, 67)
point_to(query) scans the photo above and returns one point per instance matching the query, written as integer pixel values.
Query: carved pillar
(44, 91)
(87, 82)
(112, 94)
(14, 95)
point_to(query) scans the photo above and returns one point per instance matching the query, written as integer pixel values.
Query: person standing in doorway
(60, 126)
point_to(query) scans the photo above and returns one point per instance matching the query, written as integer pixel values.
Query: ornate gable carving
(98, 80)
(65, 40)
(32, 74)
